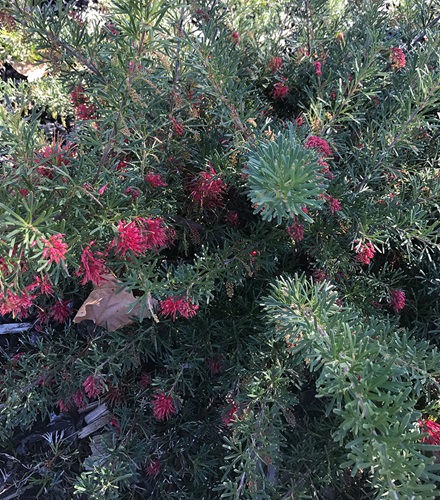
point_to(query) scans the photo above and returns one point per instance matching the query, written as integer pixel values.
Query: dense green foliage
(264, 178)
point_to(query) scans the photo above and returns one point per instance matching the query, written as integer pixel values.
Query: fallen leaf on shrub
(30, 70)
(108, 308)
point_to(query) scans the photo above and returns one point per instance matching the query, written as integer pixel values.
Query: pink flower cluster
(296, 231)
(153, 468)
(92, 387)
(334, 204)
(320, 145)
(433, 429)
(61, 310)
(397, 57)
(235, 37)
(280, 91)
(177, 127)
(365, 252)
(155, 180)
(17, 305)
(92, 266)
(55, 249)
(163, 406)
(84, 110)
(318, 68)
(50, 156)
(141, 235)
(208, 190)
(397, 300)
(275, 64)
(173, 306)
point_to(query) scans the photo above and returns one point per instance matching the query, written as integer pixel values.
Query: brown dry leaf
(30, 70)
(107, 308)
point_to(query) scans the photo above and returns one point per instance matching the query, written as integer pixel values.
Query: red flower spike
(235, 38)
(61, 310)
(55, 249)
(174, 305)
(318, 67)
(92, 266)
(433, 429)
(365, 253)
(296, 231)
(397, 300)
(63, 406)
(78, 399)
(230, 415)
(208, 190)
(275, 64)
(145, 380)
(397, 57)
(280, 91)
(92, 387)
(17, 305)
(155, 180)
(321, 146)
(177, 127)
(334, 203)
(153, 468)
(163, 406)
(141, 235)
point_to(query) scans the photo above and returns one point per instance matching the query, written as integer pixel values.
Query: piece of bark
(95, 425)
(14, 328)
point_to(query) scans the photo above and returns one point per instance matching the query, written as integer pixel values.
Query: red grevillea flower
(92, 387)
(230, 415)
(296, 231)
(433, 429)
(235, 37)
(398, 60)
(17, 305)
(54, 154)
(55, 249)
(275, 64)
(280, 91)
(61, 310)
(208, 190)
(141, 235)
(232, 217)
(319, 275)
(163, 406)
(43, 283)
(92, 266)
(153, 468)
(133, 192)
(319, 145)
(145, 380)
(155, 180)
(63, 406)
(334, 203)
(177, 127)
(174, 305)
(78, 399)
(318, 69)
(365, 253)
(397, 300)
(201, 14)
(215, 364)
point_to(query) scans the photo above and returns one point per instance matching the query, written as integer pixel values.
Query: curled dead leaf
(110, 308)
(31, 70)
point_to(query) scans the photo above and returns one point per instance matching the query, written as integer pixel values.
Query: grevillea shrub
(264, 179)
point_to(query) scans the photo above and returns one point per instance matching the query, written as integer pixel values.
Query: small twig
(240, 486)
(420, 37)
